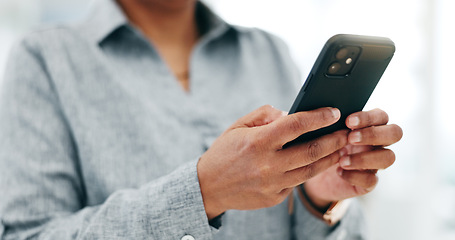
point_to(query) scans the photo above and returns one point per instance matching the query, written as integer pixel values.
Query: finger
(353, 149)
(365, 180)
(304, 154)
(290, 127)
(377, 159)
(300, 175)
(374, 117)
(259, 117)
(376, 136)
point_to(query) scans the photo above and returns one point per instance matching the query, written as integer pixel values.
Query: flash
(349, 61)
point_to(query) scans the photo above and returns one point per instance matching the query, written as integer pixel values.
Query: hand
(246, 167)
(364, 155)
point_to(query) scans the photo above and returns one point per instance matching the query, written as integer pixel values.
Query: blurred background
(415, 198)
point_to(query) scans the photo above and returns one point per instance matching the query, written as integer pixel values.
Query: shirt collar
(107, 16)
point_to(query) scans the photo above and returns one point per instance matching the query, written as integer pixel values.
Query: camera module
(342, 53)
(334, 67)
(343, 60)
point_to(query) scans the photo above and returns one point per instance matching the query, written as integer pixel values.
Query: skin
(246, 167)
(170, 25)
(365, 154)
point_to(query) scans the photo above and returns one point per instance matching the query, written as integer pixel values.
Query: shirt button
(187, 237)
(342, 235)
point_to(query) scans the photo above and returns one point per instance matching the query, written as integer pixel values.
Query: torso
(132, 124)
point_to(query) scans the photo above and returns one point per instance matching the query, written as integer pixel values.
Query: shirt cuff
(184, 213)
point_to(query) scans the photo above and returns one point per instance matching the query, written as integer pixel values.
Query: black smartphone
(344, 75)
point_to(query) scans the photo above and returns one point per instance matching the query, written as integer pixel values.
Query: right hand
(246, 167)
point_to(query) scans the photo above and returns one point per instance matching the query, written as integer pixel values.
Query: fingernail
(340, 172)
(283, 113)
(355, 137)
(370, 188)
(336, 113)
(354, 121)
(343, 152)
(345, 161)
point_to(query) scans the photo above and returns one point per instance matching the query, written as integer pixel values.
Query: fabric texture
(99, 141)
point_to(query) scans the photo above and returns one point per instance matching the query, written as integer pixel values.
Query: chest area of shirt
(133, 123)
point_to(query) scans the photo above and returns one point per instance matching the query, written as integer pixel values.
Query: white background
(415, 198)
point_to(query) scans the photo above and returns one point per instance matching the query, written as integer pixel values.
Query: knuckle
(252, 144)
(341, 140)
(263, 111)
(267, 107)
(371, 133)
(367, 118)
(273, 200)
(285, 193)
(270, 196)
(298, 177)
(314, 150)
(326, 115)
(249, 144)
(333, 158)
(264, 189)
(310, 171)
(276, 199)
(261, 172)
(296, 124)
(358, 160)
(265, 170)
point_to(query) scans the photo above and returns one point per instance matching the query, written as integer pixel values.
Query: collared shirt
(99, 141)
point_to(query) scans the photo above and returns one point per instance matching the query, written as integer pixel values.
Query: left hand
(355, 174)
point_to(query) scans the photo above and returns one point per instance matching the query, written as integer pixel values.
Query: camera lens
(342, 53)
(334, 67)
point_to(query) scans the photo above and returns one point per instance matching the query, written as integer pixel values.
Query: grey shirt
(99, 141)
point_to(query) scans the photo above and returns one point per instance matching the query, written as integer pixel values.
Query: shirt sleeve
(42, 191)
(308, 226)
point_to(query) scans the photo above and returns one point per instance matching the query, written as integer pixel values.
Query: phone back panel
(348, 92)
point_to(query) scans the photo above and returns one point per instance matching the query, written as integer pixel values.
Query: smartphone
(344, 76)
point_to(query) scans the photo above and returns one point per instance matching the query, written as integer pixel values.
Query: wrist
(208, 192)
(210, 209)
(330, 214)
(317, 203)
